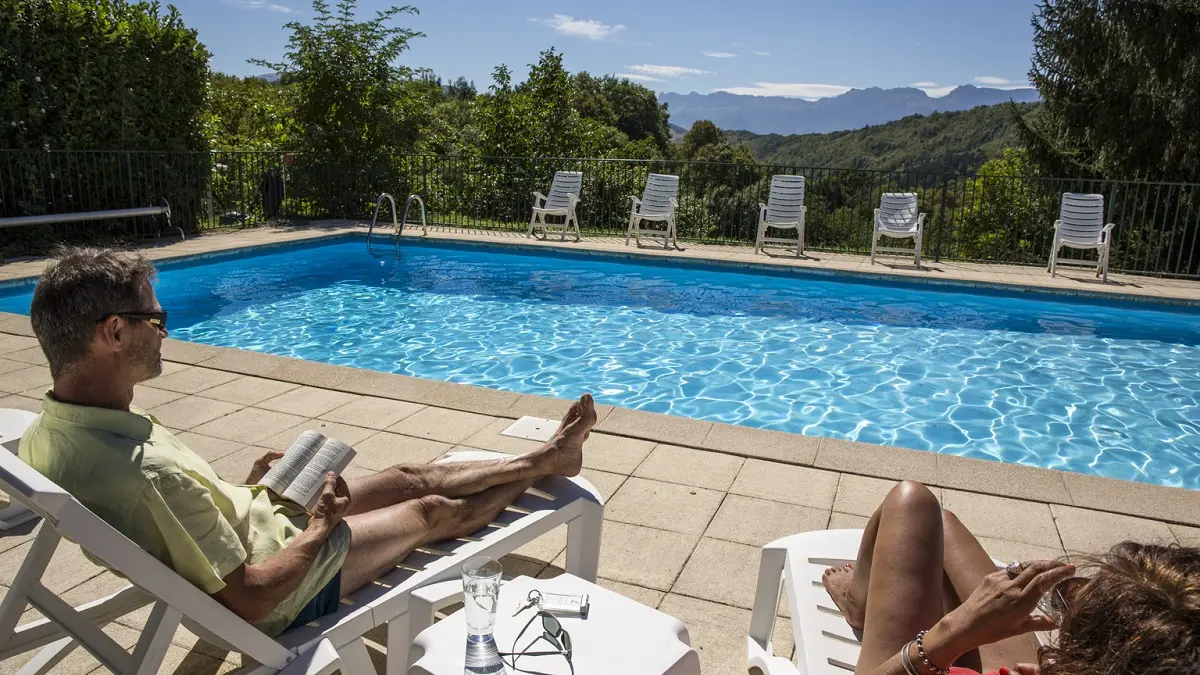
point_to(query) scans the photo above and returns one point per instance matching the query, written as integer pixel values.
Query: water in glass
(481, 592)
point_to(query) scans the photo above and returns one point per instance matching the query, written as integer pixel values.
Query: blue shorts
(324, 602)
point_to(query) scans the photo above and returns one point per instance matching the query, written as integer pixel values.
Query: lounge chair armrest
(674, 203)
(538, 199)
(637, 203)
(876, 220)
(573, 198)
(1106, 233)
(920, 222)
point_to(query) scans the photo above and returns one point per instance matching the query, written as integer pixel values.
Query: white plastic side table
(618, 636)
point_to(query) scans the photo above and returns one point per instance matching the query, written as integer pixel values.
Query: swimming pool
(1107, 388)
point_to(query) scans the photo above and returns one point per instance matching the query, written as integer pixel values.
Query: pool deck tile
(1085, 531)
(762, 443)
(308, 401)
(711, 482)
(698, 468)
(1010, 480)
(877, 460)
(32, 356)
(490, 438)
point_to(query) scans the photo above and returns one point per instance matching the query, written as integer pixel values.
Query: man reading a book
(269, 560)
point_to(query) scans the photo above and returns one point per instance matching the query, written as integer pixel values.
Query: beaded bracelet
(926, 661)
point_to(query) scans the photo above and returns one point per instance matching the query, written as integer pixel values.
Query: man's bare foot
(838, 581)
(566, 446)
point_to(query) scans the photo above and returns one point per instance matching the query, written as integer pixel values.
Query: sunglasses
(552, 632)
(156, 319)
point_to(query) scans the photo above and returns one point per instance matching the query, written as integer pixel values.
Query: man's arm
(253, 591)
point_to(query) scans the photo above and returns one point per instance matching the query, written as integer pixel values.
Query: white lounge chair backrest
(898, 212)
(566, 183)
(660, 190)
(786, 200)
(1081, 218)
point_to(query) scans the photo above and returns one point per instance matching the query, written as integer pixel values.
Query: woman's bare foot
(566, 445)
(838, 581)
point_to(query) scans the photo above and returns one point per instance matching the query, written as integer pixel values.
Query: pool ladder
(397, 225)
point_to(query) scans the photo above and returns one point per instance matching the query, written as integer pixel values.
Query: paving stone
(606, 483)
(670, 463)
(1008, 551)
(718, 632)
(1001, 518)
(785, 483)
(762, 443)
(490, 438)
(192, 411)
(68, 567)
(308, 401)
(1095, 532)
(388, 385)
(245, 362)
(145, 397)
(313, 374)
(385, 449)
(372, 412)
(249, 390)
(1137, 499)
(467, 397)
(877, 460)
(29, 377)
(667, 506)
(16, 343)
(249, 425)
(350, 435)
(756, 522)
(545, 548)
(1186, 536)
(19, 402)
(646, 596)
(7, 366)
(656, 427)
(548, 408)
(33, 356)
(79, 661)
(193, 380)
(846, 521)
(183, 351)
(208, 447)
(643, 556)
(235, 467)
(617, 454)
(721, 571)
(441, 424)
(862, 496)
(1021, 482)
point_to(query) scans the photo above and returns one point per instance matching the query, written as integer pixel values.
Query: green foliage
(1121, 84)
(250, 114)
(631, 108)
(940, 143)
(1010, 212)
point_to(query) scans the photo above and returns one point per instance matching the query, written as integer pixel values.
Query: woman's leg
(898, 579)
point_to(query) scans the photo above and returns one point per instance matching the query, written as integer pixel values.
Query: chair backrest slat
(660, 190)
(786, 200)
(1081, 216)
(898, 211)
(565, 183)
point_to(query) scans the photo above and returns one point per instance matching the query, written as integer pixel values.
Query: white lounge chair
(333, 642)
(784, 210)
(825, 644)
(897, 218)
(13, 424)
(1081, 225)
(564, 196)
(658, 205)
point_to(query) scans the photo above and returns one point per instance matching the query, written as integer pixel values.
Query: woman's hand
(1002, 607)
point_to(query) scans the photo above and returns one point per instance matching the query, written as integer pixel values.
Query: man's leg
(381, 538)
(561, 455)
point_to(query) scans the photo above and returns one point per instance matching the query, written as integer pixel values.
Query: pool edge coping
(1180, 506)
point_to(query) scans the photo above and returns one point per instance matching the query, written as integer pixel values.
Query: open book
(300, 474)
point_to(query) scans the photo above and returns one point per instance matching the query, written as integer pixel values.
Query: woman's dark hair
(1138, 613)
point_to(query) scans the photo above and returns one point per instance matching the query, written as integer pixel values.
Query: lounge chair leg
(355, 659)
(156, 638)
(766, 599)
(583, 542)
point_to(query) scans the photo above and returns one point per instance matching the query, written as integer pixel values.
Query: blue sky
(805, 48)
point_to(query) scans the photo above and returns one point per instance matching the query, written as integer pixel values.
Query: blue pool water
(1107, 388)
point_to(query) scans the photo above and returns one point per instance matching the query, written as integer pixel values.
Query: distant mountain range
(855, 109)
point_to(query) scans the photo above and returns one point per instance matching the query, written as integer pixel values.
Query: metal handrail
(57, 218)
(404, 220)
(396, 225)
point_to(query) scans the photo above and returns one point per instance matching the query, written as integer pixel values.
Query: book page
(333, 456)
(289, 466)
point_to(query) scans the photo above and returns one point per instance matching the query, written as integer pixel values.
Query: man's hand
(261, 466)
(332, 505)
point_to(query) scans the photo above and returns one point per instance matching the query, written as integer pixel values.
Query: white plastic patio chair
(784, 210)
(897, 218)
(658, 205)
(825, 644)
(13, 424)
(333, 642)
(1081, 225)
(563, 198)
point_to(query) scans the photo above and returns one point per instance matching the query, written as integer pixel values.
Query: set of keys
(554, 603)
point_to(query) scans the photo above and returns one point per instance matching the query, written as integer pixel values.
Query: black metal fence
(1001, 219)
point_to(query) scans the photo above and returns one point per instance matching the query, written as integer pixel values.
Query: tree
(1120, 81)
(461, 90)
(249, 114)
(702, 133)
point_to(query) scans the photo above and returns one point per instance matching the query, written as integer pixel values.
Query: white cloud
(640, 78)
(1000, 82)
(922, 85)
(720, 55)
(591, 29)
(810, 92)
(260, 4)
(933, 88)
(668, 71)
(762, 53)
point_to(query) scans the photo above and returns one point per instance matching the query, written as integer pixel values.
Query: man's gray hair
(78, 289)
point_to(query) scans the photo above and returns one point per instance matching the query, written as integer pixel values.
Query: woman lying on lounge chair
(926, 597)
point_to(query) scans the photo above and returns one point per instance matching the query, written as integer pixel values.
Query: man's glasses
(552, 632)
(156, 319)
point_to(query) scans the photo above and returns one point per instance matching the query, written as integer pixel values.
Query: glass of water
(481, 593)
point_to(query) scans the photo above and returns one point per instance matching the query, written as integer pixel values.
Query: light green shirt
(132, 472)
